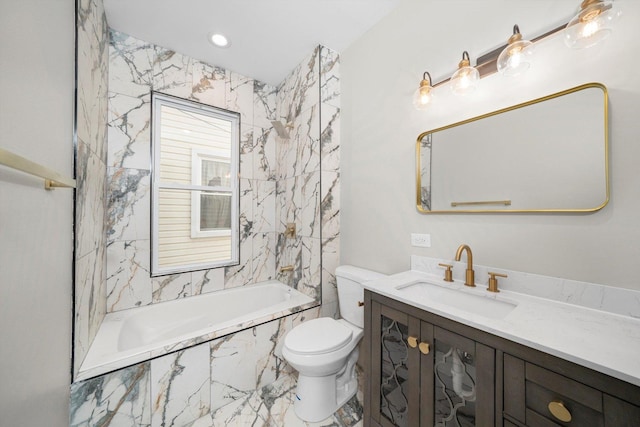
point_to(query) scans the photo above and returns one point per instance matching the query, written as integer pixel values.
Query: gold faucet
(470, 276)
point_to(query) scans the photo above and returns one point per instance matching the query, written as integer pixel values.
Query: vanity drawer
(534, 394)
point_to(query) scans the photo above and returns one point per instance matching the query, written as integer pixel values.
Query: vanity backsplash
(625, 302)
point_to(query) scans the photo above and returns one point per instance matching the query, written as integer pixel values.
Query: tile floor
(272, 406)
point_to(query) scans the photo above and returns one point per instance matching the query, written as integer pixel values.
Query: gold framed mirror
(545, 155)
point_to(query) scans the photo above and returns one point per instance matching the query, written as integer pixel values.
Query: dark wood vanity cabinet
(425, 370)
(421, 374)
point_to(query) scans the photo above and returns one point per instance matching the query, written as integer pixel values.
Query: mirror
(195, 186)
(545, 155)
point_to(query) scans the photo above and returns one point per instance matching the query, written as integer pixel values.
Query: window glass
(195, 186)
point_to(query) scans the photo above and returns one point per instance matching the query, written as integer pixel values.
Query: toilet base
(317, 398)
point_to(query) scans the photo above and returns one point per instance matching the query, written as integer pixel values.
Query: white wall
(381, 70)
(36, 111)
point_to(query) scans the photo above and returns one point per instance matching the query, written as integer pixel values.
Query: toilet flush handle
(360, 303)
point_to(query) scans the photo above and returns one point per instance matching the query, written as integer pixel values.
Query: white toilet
(324, 351)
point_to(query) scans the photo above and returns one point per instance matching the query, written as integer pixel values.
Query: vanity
(440, 353)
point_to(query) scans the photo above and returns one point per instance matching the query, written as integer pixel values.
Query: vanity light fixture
(465, 79)
(219, 40)
(423, 96)
(516, 57)
(592, 24)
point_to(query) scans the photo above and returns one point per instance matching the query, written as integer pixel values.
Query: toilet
(324, 351)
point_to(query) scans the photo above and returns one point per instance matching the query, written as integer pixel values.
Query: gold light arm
(51, 178)
(485, 202)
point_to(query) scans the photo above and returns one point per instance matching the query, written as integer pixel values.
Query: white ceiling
(268, 37)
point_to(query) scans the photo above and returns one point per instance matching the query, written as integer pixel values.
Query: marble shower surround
(298, 178)
(137, 68)
(91, 172)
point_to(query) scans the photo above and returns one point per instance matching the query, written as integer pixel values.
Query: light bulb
(465, 79)
(423, 96)
(592, 24)
(516, 57)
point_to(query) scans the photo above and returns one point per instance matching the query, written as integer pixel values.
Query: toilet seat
(318, 336)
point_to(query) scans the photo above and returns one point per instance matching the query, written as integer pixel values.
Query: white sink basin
(477, 304)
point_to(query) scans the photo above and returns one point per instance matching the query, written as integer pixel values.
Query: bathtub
(131, 336)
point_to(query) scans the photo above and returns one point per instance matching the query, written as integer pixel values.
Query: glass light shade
(515, 58)
(464, 80)
(423, 96)
(591, 25)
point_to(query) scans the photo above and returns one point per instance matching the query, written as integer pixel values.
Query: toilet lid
(317, 336)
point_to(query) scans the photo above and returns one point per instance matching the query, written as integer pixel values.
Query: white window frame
(157, 101)
(197, 157)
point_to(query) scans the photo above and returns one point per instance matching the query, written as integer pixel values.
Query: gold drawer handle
(559, 411)
(412, 341)
(424, 348)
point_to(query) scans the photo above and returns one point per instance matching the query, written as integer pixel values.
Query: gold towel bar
(486, 202)
(51, 178)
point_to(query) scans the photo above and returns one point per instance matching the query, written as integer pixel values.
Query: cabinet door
(463, 390)
(395, 394)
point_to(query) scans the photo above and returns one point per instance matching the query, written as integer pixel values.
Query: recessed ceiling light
(219, 40)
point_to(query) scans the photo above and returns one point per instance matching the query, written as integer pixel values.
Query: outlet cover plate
(421, 240)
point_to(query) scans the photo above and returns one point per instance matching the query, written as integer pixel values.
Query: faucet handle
(448, 275)
(493, 281)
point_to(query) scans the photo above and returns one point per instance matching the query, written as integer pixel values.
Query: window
(195, 186)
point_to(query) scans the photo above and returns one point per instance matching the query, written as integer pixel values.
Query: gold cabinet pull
(559, 411)
(412, 341)
(424, 348)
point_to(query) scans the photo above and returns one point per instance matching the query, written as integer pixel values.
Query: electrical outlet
(421, 240)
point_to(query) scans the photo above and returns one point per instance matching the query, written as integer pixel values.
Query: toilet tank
(351, 292)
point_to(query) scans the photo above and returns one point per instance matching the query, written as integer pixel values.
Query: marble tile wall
(135, 69)
(91, 158)
(282, 180)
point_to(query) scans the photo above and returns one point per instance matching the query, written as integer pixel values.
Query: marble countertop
(600, 340)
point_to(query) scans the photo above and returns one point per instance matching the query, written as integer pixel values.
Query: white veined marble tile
(92, 69)
(309, 204)
(171, 287)
(330, 261)
(242, 413)
(269, 362)
(121, 398)
(240, 96)
(172, 73)
(329, 77)
(129, 204)
(209, 84)
(310, 280)
(264, 153)
(330, 138)
(330, 205)
(264, 261)
(90, 303)
(264, 206)
(128, 275)
(300, 89)
(206, 281)
(233, 361)
(130, 65)
(307, 144)
(246, 151)
(264, 104)
(90, 201)
(129, 131)
(180, 389)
